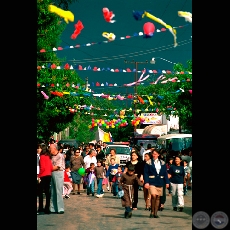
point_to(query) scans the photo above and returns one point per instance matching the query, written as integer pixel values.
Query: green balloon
(81, 171)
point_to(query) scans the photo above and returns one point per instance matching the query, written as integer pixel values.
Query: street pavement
(84, 212)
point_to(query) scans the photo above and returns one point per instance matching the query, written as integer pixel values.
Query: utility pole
(136, 73)
(135, 79)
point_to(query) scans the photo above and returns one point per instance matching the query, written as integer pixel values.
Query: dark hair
(77, 149)
(149, 146)
(91, 144)
(131, 167)
(148, 153)
(92, 164)
(113, 150)
(180, 159)
(45, 151)
(100, 161)
(67, 166)
(156, 150)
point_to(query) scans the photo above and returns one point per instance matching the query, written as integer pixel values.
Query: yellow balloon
(113, 126)
(107, 127)
(89, 126)
(95, 124)
(102, 122)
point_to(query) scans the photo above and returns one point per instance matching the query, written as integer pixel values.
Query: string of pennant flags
(116, 70)
(59, 48)
(110, 85)
(108, 96)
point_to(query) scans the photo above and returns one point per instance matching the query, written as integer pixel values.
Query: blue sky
(139, 49)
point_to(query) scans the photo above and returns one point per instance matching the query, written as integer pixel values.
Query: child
(90, 178)
(126, 182)
(116, 180)
(105, 182)
(67, 186)
(187, 176)
(112, 170)
(100, 174)
(67, 169)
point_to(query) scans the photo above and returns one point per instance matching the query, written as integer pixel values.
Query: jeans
(90, 187)
(99, 186)
(115, 188)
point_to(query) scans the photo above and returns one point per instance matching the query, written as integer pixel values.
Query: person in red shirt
(45, 172)
(67, 187)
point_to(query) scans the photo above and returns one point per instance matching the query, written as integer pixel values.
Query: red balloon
(149, 28)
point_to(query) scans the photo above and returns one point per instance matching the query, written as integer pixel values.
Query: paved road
(84, 212)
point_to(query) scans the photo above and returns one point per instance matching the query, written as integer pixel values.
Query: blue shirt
(177, 173)
(112, 170)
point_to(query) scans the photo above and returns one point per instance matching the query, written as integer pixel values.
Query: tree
(53, 114)
(173, 97)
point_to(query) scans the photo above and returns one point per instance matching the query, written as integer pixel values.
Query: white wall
(173, 123)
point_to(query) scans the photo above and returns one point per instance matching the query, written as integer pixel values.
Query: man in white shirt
(90, 158)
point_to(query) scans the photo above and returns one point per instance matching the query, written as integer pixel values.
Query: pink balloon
(149, 28)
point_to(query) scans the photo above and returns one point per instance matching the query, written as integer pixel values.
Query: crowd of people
(154, 171)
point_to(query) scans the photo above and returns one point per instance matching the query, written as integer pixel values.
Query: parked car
(72, 142)
(123, 151)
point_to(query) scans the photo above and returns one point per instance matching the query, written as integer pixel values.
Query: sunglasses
(77, 152)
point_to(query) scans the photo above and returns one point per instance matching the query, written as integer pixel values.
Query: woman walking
(155, 175)
(138, 172)
(45, 172)
(76, 162)
(176, 174)
(147, 195)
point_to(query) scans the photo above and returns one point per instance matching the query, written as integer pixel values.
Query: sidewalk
(86, 212)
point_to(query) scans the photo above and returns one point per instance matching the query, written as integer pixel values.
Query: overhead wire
(133, 54)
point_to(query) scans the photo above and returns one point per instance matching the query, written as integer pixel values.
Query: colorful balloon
(148, 29)
(81, 171)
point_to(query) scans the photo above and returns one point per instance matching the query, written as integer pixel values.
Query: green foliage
(53, 115)
(174, 102)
